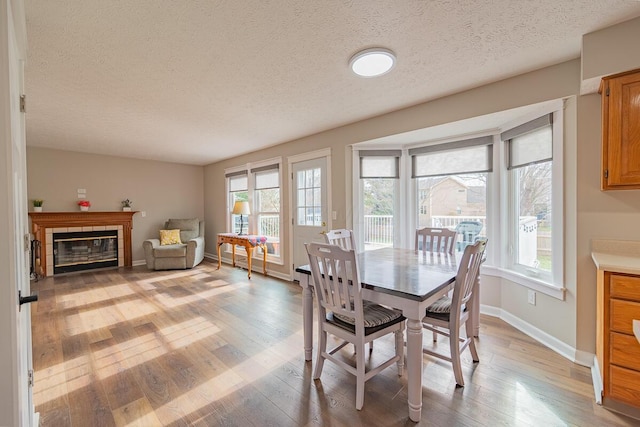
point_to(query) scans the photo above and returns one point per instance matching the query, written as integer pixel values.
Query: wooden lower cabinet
(618, 350)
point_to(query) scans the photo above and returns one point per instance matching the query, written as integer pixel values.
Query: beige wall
(162, 190)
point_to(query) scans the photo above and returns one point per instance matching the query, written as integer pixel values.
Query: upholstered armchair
(176, 249)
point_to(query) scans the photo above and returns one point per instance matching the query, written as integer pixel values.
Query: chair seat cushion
(441, 308)
(376, 317)
(170, 251)
(443, 305)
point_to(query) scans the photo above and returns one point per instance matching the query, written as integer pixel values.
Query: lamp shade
(241, 208)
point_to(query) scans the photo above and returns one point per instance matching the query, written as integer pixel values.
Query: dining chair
(447, 315)
(439, 239)
(341, 237)
(344, 314)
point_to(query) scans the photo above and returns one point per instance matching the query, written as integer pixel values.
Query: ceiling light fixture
(372, 62)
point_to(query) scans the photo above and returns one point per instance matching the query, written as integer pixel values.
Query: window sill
(527, 282)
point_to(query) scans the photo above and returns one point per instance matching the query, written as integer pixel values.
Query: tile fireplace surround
(44, 224)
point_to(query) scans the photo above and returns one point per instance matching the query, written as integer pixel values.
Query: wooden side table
(249, 242)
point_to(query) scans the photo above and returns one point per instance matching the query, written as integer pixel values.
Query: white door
(16, 407)
(309, 206)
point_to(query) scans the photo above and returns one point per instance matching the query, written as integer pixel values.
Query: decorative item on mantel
(37, 205)
(126, 205)
(84, 205)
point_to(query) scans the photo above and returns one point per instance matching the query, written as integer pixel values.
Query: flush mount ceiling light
(372, 62)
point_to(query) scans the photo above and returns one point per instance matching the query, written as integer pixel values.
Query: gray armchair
(188, 254)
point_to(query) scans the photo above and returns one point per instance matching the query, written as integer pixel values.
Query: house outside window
(451, 187)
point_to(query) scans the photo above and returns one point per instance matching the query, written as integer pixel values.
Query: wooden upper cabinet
(621, 131)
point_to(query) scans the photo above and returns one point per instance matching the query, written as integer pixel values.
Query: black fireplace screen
(84, 250)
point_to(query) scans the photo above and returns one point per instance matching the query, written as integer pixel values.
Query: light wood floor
(204, 347)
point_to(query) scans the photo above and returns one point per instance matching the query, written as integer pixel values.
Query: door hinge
(23, 103)
(607, 92)
(606, 173)
(291, 176)
(30, 377)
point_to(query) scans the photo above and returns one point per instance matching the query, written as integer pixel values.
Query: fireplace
(84, 250)
(47, 224)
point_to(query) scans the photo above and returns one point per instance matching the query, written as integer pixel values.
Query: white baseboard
(597, 380)
(577, 356)
(139, 262)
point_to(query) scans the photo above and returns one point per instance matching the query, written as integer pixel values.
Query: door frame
(311, 155)
(15, 390)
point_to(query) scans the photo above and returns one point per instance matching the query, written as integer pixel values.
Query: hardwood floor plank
(206, 347)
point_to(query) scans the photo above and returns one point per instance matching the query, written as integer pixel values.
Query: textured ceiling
(199, 81)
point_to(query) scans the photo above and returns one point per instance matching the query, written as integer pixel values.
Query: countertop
(618, 256)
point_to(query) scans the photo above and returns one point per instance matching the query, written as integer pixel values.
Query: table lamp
(241, 208)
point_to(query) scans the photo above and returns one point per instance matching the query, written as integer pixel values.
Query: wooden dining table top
(403, 272)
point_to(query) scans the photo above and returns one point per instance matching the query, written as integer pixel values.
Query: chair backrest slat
(341, 237)
(467, 274)
(336, 281)
(438, 239)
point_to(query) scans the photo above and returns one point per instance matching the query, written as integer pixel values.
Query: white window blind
(379, 163)
(238, 181)
(267, 177)
(459, 157)
(530, 143)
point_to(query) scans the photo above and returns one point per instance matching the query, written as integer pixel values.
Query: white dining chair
(447, 315)
(345, 239)
(435, 240)
(344, 314)
(341, 237)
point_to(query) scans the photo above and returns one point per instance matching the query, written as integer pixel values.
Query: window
(259, 184)
(451, 187)
(309, 197)
(238, 190)
(531, 174)
(379, 170)
(267, 205)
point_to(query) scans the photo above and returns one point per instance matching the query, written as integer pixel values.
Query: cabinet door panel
(622, 315)
(625, 351)
(625, 385)
(625, 287)
(624, 130)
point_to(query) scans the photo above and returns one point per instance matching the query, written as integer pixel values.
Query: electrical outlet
(531, 297)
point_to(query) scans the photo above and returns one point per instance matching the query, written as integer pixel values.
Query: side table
(249, 242)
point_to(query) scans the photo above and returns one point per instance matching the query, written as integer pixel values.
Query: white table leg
(307, 316)
(414, 368)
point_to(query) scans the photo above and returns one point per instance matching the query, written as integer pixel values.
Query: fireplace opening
(84, 250)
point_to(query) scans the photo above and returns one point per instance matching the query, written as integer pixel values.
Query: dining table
(406, 280)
